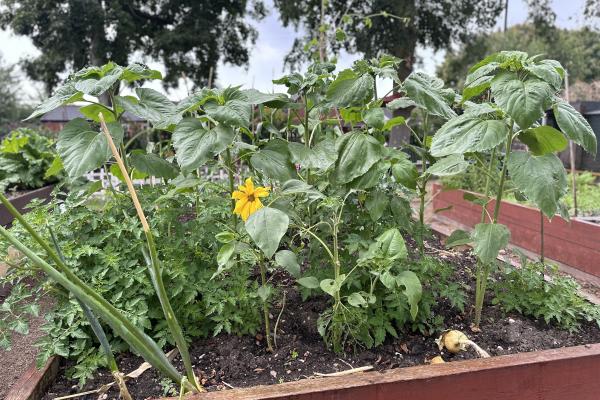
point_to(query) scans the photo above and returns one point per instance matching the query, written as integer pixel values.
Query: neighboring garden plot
(312, 255)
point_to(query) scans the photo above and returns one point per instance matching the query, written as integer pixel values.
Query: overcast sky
(274, 41)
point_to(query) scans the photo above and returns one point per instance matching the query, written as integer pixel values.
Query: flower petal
(261, 191)
(245, 212)
(240, 204)
(238, 195)
(249, 186)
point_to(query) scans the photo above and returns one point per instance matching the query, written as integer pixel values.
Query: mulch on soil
(229, 361)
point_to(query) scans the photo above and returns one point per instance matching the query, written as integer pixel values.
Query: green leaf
(405, 172)
(273, 100)
(458, 238)
(524, 98)
(550, 71)
(309, 282)
(235, 112)
(274, 162)
(264, 292)
(91, 112)
(153, 165)
(83, 149)
(296, 186)
(575, 127)
(151, 105)
(450, 165)
(136, 71)
(63, 95)
(390, 245)
(225, 253)
(478, 81)
(392, 122)
(402, 102)
(489, 239)
(266, 227)
(374, 118)
(20, 326)
(97, 86)
(543, 140)
(428, 92)
(195, 145)
(350, 89)
(320, 157)
(287, 259)
(357, 152)
(412, 290)
(465, 134)
(376, 204)
(55, 168)
(541, 178)
(225, 236)
(357, 300)
(331, 287)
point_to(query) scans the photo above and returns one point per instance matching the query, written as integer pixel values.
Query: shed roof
(71, 111)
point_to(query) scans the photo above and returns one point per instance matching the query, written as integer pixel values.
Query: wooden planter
(21, 201)
(575, 243)
(558, 374)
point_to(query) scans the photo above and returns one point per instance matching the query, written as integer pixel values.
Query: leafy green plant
(555, 299)
(520, 88)
(25, 157)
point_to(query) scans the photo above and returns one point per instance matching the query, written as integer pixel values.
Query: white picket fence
(109, 180)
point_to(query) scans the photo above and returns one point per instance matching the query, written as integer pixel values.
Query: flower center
(251, 198)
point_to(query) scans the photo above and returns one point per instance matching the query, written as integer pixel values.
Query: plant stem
(263, 279)
(155, 268)
(231, 185)
(484, 270)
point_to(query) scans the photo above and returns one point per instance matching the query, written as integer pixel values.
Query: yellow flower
(248, 199)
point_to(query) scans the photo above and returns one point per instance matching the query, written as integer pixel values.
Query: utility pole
(506, 16)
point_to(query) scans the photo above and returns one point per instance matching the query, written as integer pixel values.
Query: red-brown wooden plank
(33, 383)
(571, 373)
(575, 243)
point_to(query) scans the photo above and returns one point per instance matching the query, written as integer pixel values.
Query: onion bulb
(455, 341)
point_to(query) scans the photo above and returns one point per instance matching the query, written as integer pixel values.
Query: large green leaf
(550, 71)
(489, 239)
(235, 112)
(524, 98)
(320, 157)
(95, 86)
(296, 186)
(288, 260)
(450, 165)
(376, 204)
(405, 172)
(150, 105)
(83, 149)
(543, 140)
(350, 89)
(136, 71)
(273, 161)
(468, 133)
(428, 92)
(478, 81)
(575, 127)
(374, 117)
(153, 165)
(266, 227)
(195, 145)
(413, 290)
(63, 95)
(357, 152)
(541, 178)
(390, 245)
(273, 100)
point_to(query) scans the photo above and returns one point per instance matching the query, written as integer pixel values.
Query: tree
(11, 109)
(391, 26)
(189, 36)
(577, 50)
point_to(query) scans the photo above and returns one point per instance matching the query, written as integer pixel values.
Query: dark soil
(229, 361)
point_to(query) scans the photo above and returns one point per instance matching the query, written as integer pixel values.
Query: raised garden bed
(21, 200)
(575, 243)
(229, 361)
